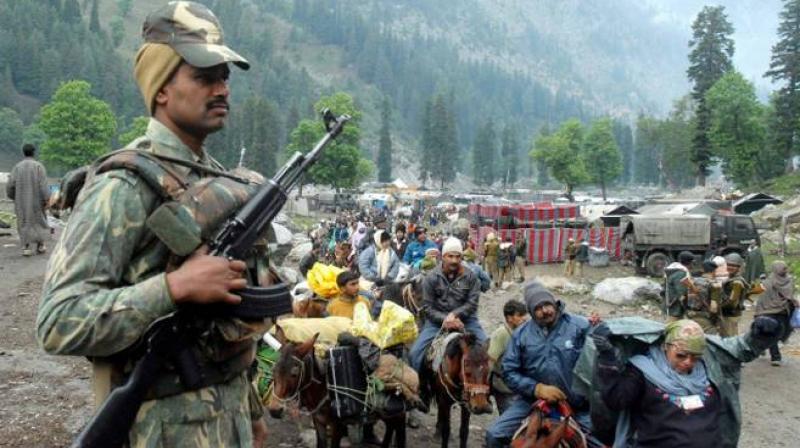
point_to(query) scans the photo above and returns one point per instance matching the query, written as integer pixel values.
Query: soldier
(735, 291)
(570, 253)
(107, 280)
(491, 251)
(702, 304)
(678, 284)
(581, 257)
(521, 253)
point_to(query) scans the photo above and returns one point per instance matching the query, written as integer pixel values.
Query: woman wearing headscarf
(358, 235)
(681, 391)
(378, 263)
(777, 301)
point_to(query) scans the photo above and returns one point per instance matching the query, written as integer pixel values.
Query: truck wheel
(656, 262)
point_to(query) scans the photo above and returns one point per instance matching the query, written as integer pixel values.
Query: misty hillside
(523, 62)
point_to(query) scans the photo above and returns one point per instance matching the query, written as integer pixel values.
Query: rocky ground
(45, 400)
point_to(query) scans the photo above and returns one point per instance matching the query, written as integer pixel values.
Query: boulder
(299, 251)
(282, 234)
(626, 290)
(562, 284)
(289, 275)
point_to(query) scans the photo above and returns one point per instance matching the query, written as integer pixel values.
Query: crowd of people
(114, 273)
(534, 353)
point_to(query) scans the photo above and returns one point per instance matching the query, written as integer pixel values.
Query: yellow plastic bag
(321, 279)
(395, 325)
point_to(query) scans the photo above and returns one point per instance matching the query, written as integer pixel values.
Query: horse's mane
(393, 292)
(477, 350)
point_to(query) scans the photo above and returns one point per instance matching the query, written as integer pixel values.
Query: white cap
(452, 245)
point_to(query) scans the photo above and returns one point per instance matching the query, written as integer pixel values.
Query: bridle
(469, 389)
(408, 298)
(301, 386)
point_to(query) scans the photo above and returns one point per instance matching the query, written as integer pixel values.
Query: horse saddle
(438, 347)
(549, 427)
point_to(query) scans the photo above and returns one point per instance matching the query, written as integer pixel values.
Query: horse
(297, 376)
(406, 293)
(462, 378)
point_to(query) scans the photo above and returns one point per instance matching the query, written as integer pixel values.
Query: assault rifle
(169, 339)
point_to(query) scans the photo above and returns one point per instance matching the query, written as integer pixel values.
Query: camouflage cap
(192, 31)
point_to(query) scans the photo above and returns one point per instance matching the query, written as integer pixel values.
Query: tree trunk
(701, 179)
(603, 189)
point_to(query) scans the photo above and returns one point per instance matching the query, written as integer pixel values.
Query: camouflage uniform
(106, 283)
(570, 253)
(735, 292)
(702, 306)
(675, 294)
(491, 252)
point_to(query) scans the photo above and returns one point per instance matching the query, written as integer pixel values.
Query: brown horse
(297, 377)
(463, 379)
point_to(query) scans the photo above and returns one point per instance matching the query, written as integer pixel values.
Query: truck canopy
(685, 230)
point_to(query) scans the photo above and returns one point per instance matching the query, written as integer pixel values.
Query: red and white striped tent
(526, 213)
(547, 245)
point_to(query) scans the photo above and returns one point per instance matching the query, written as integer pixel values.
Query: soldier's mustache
(218, 103)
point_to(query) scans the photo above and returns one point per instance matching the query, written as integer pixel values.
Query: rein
(469, 389)
(301, 387)
(408, 299)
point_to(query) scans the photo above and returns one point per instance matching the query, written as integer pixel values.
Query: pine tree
(71, 11)
(483, 155)
(647, 151)
(624, 138)
(94, 17)
(542, 174)
(785, 67)
(292, 120)
(443, 149)
(451, 148)
(710, 59)
(510, 155)
(385, 144)
(426, 145)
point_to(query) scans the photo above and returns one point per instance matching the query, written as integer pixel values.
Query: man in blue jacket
(415, 251)
(538, 362)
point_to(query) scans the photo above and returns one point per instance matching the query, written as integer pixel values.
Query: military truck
(652, 242)
(329, 201)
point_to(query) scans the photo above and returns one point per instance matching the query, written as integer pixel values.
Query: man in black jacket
(449, 301)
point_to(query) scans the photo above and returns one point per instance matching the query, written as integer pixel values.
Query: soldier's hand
(203, 278)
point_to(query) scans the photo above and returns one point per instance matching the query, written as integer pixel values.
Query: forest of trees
(722, 119)
(460, 116)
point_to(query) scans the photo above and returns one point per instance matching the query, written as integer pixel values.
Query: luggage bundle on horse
(350, 384)
(347, 382)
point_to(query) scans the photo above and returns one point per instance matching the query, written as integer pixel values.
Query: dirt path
(44, 400)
